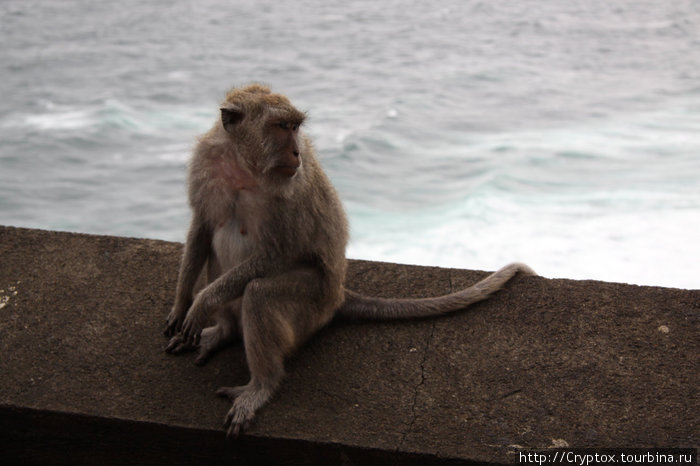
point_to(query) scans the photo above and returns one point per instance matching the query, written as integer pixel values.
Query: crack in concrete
(510, 393)
(417, 387)
(422, 374)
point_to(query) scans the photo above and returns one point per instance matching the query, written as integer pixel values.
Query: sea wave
(109, 115)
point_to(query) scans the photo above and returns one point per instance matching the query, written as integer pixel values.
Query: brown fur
(265, 254)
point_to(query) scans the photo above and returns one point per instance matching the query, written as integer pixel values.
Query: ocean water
(458, 133)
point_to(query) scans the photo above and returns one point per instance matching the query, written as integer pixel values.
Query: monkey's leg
(224, 332)
(277, 315)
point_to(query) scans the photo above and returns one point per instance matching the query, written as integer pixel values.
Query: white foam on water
(56, 121)
(658, 249)
(614, 199)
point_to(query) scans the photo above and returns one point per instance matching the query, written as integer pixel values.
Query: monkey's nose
(296, 153)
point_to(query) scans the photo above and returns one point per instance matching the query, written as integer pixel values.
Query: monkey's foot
(178, 345)
(212, 340)
(246, 401)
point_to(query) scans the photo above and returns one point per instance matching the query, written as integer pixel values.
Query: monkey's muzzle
(286, 170)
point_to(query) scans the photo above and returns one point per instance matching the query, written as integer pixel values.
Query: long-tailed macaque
(265, 254)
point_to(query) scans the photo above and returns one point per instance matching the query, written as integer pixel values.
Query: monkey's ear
(230, 117)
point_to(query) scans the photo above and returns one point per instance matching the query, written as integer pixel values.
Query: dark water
(459, 133)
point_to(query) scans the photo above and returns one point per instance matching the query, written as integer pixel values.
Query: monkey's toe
(202, 359)
(231, 393)
(235, 429)
(236, 422)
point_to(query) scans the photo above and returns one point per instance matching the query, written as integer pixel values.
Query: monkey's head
(263, 131)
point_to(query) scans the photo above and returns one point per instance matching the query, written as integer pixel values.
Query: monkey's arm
(226, 288)
(197, 250)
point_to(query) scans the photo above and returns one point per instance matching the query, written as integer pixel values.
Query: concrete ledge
(544, 363)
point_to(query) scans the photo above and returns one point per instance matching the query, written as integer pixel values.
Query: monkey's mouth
(286, 170)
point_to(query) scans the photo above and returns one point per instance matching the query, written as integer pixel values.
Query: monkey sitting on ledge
(264, 258)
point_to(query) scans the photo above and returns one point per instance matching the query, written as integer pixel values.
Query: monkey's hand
(177, 345)
(174, 321)
(194, 323)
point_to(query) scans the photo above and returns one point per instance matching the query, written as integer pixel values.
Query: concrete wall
(85, 379)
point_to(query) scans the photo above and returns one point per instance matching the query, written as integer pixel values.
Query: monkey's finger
(192, 338)
(172, 328)
(186, 333)
(174, 344)
(181, 348)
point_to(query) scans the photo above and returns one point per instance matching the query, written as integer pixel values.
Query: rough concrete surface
(544, 363)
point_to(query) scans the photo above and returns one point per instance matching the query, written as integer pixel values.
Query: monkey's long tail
(365, 307)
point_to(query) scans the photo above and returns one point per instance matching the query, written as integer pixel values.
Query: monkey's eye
(288, 126)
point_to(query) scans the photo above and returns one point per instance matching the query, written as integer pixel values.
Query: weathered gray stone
(85, 379)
